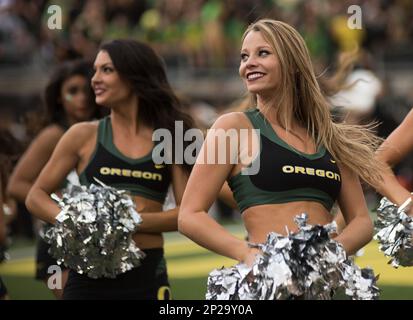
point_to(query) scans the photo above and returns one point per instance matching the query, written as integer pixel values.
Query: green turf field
(188, 267)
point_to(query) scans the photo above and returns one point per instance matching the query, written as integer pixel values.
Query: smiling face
(110, 89)
(259, 66)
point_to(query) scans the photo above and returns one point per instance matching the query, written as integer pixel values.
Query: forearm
(392, 189)
(40, 204)
(156, 222)
(205, 231)
(356, 234)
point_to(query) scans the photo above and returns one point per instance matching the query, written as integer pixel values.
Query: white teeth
(253, 76)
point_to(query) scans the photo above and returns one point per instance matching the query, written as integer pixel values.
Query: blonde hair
(300, 97)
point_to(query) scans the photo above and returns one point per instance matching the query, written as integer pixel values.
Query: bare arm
(227, 197)
(359, 227)
(398, 144)
(204, 185)
(165, 221)
(32, 162)
(64, 158)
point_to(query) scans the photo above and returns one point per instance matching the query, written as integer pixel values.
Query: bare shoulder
(83, 129)
(409, 117)
(50, 135)
(80, 133)
(236, 120)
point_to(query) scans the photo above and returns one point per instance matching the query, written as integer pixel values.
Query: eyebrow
(260, 47)
(104, 65)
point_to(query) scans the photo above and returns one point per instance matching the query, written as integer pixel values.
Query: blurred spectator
(16, 42)
(362, 88)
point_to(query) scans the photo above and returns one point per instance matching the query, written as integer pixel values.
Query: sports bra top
(139, 176)
(285, 174)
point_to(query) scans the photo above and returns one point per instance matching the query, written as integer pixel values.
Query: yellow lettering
(288, 169)
(137, 174)
(310, 171)
(300, 170)
(164, 293)
(320, 173)
(157, 176)
(126, 173)
(104, 171)
(115, 171)
(147, 175)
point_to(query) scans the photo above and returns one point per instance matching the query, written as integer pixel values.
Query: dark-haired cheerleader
(68, 98)
(131, 81)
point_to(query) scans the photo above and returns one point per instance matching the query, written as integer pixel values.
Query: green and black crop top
(285, 174)
(138, 176)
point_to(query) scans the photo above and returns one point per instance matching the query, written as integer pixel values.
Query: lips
(98, 91)
(251, 76)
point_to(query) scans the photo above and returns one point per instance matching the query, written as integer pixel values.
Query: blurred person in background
(393, 150)
(68, 100)
(362, 88)
(9, 151)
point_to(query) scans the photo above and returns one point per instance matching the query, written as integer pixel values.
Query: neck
(125, 115)
(270, 108)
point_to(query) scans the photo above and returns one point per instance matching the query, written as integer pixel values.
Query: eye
(107, 69)
(73, 90)
(263, 53)
(244, 56)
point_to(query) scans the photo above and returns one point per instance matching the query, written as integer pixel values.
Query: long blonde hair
(299, 97)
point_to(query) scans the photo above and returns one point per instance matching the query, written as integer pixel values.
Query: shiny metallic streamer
(93, 232)
(394, 232)
(306, 264)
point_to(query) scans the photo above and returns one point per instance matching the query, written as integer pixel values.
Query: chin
(254, 90)
(100, 101)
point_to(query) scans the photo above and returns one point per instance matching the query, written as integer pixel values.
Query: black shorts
(44, 260)
(3, 289)
(149, 281)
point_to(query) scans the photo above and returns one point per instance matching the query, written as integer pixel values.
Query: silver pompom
(306, 264)
(395, 233)
(93, 232)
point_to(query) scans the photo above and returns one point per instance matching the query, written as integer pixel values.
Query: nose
(84, 95)
(96, 78)
(251, 62)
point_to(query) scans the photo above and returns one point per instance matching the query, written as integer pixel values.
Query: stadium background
(199, 41)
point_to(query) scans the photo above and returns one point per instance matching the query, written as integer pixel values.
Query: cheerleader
(306, 161)
(130, 80)
(68, 99)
